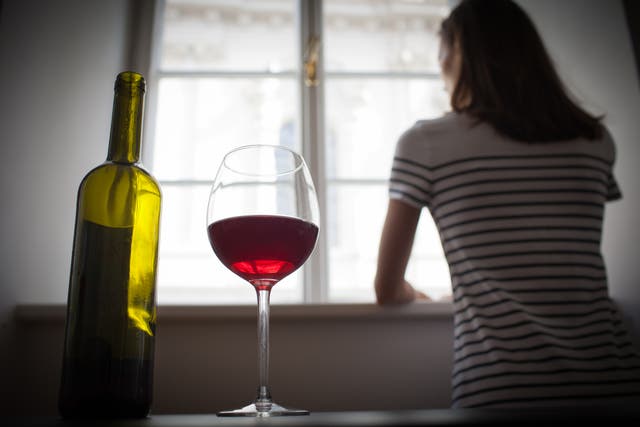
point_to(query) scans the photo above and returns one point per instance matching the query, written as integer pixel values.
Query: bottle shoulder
(108, 174)
(151, 181)
(119, 195)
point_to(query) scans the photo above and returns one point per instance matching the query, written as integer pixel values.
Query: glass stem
(263, 402)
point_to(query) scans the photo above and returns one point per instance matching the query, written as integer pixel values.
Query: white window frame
(147, 17)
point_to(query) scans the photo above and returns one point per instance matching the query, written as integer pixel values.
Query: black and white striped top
(521, 225)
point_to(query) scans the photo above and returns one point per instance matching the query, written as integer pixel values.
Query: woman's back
(521, 225)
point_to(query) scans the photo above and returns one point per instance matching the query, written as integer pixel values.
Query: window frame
(149, 14)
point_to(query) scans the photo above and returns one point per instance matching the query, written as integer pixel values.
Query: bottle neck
(126, 120)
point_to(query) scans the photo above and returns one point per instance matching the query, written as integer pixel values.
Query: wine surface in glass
(262, 249)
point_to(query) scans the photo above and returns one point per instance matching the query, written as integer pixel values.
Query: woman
(516, 179)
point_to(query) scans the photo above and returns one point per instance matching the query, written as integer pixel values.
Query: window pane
(365, 118)
(354, 221)
(199, 117)
(188, 270)
(355, 218)
(229, 35)
(199, 120)
(382, 35)
(428, 270)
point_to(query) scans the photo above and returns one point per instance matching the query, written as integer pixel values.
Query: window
(228, 73)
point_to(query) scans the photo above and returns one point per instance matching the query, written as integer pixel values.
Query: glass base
(268, 410)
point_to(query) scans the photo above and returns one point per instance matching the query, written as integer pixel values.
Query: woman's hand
(404, 294)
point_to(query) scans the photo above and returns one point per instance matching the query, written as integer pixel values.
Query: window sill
(32, 313)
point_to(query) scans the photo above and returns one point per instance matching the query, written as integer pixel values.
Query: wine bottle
(108, 355)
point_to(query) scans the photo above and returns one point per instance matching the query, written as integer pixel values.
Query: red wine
(262, 249)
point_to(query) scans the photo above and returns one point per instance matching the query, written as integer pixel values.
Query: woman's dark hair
(509, 75)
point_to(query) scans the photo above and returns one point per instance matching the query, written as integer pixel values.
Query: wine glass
(262, 222)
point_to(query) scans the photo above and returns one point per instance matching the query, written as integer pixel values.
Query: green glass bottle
(108, 356)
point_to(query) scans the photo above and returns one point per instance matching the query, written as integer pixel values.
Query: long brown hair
(509, 75)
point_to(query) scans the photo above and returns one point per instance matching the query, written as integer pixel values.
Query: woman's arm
(393, 255)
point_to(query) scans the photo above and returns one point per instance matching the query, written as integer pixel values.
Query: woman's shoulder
(447, 131)
(443, 125)
(428, 140)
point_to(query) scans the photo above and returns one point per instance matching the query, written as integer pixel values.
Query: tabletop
(433, 417)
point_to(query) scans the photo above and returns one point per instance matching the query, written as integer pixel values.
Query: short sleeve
(613, 190)
(410, 180)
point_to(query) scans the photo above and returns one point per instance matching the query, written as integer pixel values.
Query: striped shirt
(520, 226)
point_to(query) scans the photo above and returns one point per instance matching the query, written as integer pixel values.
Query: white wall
(58, 60)
(341, 358)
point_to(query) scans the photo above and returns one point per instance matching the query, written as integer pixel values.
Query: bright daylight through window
(228, 73)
